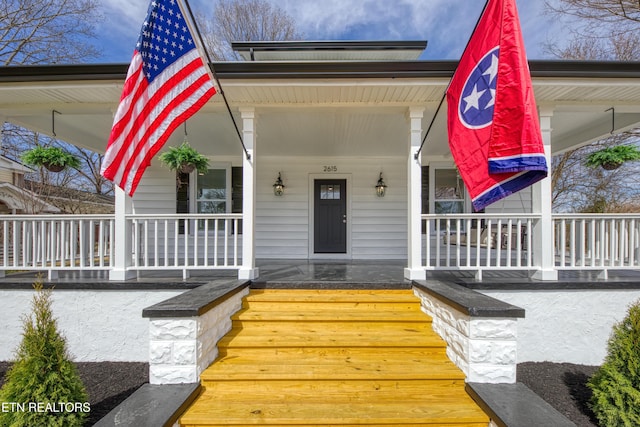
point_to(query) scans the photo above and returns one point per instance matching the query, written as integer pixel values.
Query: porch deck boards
(332, 357)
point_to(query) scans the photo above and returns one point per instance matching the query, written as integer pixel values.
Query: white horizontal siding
(377, 225)
(517, 203)
(156, 193)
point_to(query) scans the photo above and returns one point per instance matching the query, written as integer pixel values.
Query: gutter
(322, 70)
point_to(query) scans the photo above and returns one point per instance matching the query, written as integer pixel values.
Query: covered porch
(466, 246)
(341, 124)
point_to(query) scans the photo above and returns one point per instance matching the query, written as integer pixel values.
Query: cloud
(445, 24)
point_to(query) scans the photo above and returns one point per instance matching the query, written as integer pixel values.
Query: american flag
(166, 83)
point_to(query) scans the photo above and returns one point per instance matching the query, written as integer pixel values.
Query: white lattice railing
(597, 242)
(478, 241)
(186, 242)
(56, 242)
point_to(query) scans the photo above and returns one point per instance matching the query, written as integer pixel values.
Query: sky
(445, 24)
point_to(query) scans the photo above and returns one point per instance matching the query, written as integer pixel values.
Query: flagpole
(192, 24)
(444, 95)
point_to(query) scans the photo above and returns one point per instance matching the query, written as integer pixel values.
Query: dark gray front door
(330, 216)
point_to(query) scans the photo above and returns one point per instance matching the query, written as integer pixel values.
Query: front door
(330, 216)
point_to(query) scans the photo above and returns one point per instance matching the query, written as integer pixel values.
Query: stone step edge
(152, 405)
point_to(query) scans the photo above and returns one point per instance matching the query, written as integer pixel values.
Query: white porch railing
(478, 242)
(56, 242)
(186, 242)
(597, 242)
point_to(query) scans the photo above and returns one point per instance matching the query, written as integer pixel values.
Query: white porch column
(248, 269)
(3, 119)
(122, 238)
(542, 196)
(415, 269)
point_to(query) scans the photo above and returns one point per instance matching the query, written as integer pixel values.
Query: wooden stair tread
(302, 306)
(336, 390)
(324, 295)
(238, 371)
(332, 413)
(332, 358)
(331, 314)
(333, 355)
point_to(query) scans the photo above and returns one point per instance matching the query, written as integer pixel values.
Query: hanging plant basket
(54, 159)
(53, 168)
(610, 166)
(611, 158)
(187, 168)
(184, 159)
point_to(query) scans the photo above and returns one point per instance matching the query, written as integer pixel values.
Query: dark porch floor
(330, 273)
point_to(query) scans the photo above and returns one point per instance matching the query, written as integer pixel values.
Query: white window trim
(193, 190)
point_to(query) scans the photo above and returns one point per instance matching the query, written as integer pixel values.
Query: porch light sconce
(381, 187)
(278, 187)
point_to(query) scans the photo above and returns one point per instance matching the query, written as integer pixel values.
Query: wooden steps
(332, 358)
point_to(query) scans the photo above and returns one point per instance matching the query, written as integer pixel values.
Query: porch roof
(356, 106)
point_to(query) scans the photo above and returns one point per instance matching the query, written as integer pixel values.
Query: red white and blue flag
(494, 132)
(166, 83)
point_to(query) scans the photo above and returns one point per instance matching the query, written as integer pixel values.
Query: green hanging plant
(54, 159)
(612, 157)
(184, 159)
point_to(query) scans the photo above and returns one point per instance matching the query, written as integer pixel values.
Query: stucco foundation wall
(100, 325)
(571, 326)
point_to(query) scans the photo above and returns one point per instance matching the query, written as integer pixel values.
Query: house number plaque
(330, 168)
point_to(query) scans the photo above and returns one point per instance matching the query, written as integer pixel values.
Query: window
(330, 192)
(212, 192)
(449, 194)
(217, 191)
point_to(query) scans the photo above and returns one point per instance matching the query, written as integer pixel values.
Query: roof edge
(311, 69)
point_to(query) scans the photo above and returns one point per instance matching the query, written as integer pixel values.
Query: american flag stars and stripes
(166, 83)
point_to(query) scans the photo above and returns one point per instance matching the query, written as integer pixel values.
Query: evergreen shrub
(42, 379)
(616, 384)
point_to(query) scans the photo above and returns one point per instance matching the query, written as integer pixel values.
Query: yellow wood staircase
(332, 358)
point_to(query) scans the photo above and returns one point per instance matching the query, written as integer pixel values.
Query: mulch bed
(107, 383)
(563, 385)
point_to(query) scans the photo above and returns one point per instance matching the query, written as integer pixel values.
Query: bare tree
(602, 30)
(47, 32)
(50, 32)
(244, 20)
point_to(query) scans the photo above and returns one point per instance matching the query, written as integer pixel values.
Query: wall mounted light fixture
(381, 187)
(278, 187)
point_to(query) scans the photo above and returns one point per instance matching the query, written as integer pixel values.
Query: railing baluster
(166, 243)
(155, 243)
(206, 242)
(427, 228)
(235, 242)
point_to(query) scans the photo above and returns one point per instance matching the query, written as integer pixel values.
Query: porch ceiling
(320, 117)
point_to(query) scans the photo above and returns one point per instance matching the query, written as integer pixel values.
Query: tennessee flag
(166, 83)
(494, 133)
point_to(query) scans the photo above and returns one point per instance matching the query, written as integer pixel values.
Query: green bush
(616, 385)
(42, 375)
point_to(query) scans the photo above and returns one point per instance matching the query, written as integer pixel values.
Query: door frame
(311, 193)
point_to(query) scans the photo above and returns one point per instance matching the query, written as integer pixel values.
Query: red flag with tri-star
(494, 133)
(166, 83)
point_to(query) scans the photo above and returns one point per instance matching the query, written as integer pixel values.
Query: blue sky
(445, 24)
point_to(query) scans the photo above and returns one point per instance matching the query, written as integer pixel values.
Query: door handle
(344, 219)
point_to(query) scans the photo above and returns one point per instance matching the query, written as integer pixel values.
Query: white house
(330, 119)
